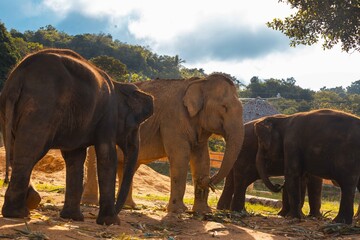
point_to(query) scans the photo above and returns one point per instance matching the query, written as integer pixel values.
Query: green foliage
(116, 69)
(354, 88)
(333, 21)
(8, 53)
(216, 143)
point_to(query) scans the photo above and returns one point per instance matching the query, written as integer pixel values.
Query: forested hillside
(125, 62)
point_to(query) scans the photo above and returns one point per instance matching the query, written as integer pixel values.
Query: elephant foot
(315, 215)
(223, 204)
(130, 204)
(108, 220)
(14, 213)
(342, 219)
(73, 214)
(176, 207)
(89, 199)
(201, 208)
(32, 199)
(283, 212)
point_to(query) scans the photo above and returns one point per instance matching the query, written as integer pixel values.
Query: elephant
(244, 173)
(54, 98)
(186, 113)
(324, 143)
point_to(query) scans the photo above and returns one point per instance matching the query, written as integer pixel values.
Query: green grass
(44, 187)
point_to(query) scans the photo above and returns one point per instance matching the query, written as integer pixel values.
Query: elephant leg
(200, 168)
(106, 169)
(285, 208)
(241, 183)
(74, 184)
(32, 198)
(178, 172)
(225, 199)
(314, 188)
(20, 196)
(16, 193)
(91, 191)
(346, 210)
(293, 188)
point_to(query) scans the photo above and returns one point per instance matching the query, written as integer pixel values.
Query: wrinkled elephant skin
(244, 173)
(56, 99)
(324, 143)
(186, 113)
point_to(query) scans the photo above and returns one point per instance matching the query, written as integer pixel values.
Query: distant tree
(329, 99)
(116, 69)
(333, 21)
(192, 72)
(24, 48)
(354, 88)
(8, 53)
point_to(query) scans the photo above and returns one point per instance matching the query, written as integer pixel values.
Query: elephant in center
(324, 143)
(186, 113)
(244, 173)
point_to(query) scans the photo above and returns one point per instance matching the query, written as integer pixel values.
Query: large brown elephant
(244, 173)
(186, 113)
(56, 99)
(324, 143)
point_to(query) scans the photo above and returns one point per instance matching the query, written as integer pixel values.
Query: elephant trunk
(233, 146)
(130, 151)
(261, 168)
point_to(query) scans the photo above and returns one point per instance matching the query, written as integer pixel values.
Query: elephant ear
(263, 132)
(141, 105)
(193, 99)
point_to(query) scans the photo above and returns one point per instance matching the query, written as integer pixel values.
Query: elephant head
(136, 108)
(270, 148)
(214, 103)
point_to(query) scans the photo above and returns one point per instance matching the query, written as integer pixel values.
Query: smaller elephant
(244, 173)
(324, 143)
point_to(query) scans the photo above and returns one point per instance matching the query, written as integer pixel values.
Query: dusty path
(149, 222)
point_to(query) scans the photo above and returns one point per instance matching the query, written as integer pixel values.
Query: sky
(218, 36)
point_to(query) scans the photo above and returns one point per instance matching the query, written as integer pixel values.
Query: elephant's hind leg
(346, 210)
(20, 196)
(74, 184)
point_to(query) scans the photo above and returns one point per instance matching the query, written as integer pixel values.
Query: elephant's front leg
(74, 184)
(227, 193)
(200, 168)
(293, 189)
(106, 167)
(179, 163)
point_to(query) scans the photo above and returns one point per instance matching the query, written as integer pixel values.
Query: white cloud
(227, 36)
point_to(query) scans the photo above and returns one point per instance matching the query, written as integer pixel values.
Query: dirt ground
(150, 221)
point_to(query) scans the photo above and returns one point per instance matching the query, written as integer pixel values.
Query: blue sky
(224, 36)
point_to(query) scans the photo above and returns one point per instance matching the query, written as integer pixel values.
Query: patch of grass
(261, 209)
(44, 187)
(152, 197)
